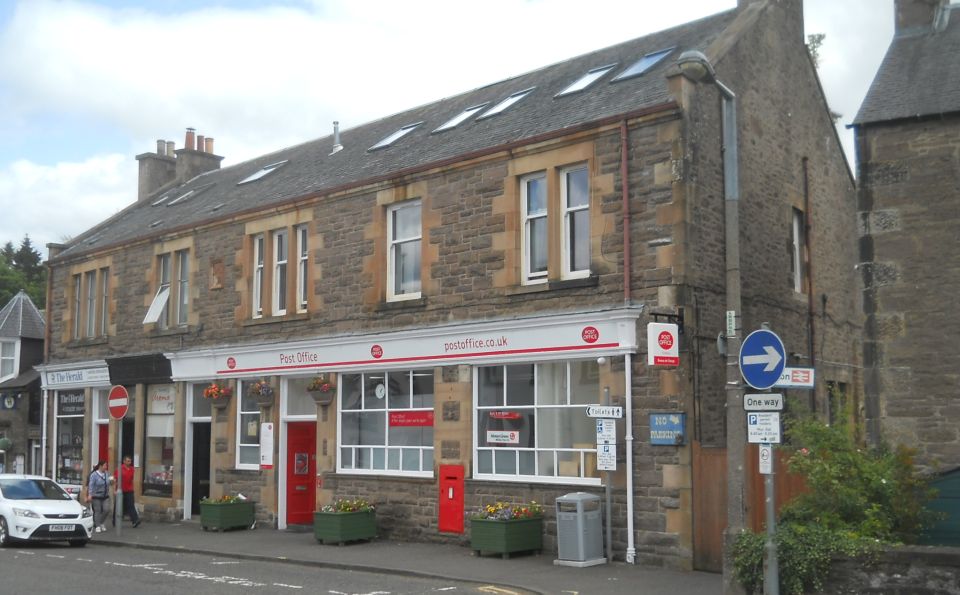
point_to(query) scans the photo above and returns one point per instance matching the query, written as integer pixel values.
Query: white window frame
(104, 294)
(281, 257)
(569, 212)
(253, 408)
(582, 453)
(426, 467)
(394, 244)
(303, 262)
(90, 311)
(796, 249)
(531, 277)
(13, 359)
(163, 267)
(77, 305)
(257, 297)
(183, 286)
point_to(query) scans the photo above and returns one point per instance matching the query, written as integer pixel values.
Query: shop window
(403, 252)
(69, 435)
(386, 423)
(530, 422)
(158, 441)
(567, 222)
(248, 430)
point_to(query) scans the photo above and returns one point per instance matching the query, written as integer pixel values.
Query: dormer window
(8, 358)
(503, 105)
(264, 171)
(642, 65)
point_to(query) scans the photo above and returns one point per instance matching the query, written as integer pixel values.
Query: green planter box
(506, 537)
(219, 517)
(341, 527)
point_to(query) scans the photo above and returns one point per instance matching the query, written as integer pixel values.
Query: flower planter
(342, 527)
(506, 537)
(220, 517)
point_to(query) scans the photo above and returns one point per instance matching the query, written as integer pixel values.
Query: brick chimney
(917, 16)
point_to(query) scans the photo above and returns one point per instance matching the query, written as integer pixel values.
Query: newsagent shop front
(380, 416)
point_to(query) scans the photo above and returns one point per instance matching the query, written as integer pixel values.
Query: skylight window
(386, 142)
(456, 120)
(265, 170)
(156, 223)
(503, 105)
(189, 194)
(642, 65)
(592, 76)
(161, 200)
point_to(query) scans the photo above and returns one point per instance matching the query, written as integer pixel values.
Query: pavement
(529, 572)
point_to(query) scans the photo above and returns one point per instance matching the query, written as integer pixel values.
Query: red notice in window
(410, 418)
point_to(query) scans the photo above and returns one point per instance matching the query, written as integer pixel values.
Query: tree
(27, 261)
(22, 269)
(11, 281)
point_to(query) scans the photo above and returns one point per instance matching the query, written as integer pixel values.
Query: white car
(35, 508)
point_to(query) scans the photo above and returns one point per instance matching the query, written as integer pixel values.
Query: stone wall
(915, 569)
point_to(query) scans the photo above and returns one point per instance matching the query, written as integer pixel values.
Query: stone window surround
(75, 318)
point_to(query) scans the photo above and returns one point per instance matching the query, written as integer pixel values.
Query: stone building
(465, 278)
(908, 148)
(21, 347)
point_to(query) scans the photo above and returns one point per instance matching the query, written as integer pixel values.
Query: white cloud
(48, 202)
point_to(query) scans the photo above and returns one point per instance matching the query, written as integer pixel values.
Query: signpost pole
(118, 500)
(771, 571)
(606, 481)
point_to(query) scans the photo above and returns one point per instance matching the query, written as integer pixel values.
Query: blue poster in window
(668, 429)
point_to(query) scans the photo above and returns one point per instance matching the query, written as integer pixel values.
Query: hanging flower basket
(218, 394)
(323, 389)
(262, 391)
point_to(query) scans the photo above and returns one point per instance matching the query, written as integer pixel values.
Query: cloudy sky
(85, 85)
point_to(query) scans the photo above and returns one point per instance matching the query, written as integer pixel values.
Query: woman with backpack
(98, 491)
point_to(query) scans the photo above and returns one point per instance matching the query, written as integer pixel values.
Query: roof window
(189, 194)
(503, 105)
(592, 76)
(456, 120)
(265, 170)
(386, 142)
(642, 65)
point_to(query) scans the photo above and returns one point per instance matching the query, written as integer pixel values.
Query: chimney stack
(194, 159)
(156, 169)
(169, 165)
(917, 16)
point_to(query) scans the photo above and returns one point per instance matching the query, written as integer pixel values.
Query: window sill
(415, 304)
(555, 285)
(276, 319)
(89, 341)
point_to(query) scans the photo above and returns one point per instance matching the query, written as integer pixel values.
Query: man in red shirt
(126, 486)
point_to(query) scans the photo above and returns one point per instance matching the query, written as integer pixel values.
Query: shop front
(504, 401)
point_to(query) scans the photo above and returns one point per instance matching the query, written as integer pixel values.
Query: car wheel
(78, 542)
(4, 534)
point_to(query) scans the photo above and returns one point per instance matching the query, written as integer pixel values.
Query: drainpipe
(47, 334)
(806, 245)
(628, 361)
(624, 191)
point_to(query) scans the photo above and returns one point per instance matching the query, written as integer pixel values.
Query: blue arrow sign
(762, 358)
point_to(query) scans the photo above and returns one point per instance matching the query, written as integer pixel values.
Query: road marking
(287, 586)
(25, 553)
(226, 562)
(56, 556)
(492, 589)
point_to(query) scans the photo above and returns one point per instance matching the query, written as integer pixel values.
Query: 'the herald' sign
(663, 346)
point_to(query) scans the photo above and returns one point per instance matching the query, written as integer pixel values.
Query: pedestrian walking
(126, 487)
(98, 493)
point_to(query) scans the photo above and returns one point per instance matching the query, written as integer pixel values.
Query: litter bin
(579, 532)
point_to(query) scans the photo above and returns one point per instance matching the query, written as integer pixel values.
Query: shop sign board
(663, 346)
(70, 403)
(763, 427)
(82, 377)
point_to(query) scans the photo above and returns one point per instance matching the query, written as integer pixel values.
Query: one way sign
(762, 358)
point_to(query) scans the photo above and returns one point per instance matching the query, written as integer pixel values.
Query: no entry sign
(117, 402)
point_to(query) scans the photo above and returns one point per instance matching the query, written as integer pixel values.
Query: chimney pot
(170, 148)
(209, 145)
(161, 146)
(190, 140)
(336, 138)
(200, 143)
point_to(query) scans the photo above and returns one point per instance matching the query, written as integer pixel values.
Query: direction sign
(762, 358)
(763, 427)
(604, 411)
(117, 401)
(796, 378)
(763, 402)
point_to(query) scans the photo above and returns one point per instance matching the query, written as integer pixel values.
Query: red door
(301, 472)
(103, 442)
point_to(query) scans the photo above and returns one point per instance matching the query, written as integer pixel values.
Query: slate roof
(311, 169)
(22, 381)
(21, 319)
(919, 76)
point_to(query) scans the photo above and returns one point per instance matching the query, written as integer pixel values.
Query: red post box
(451, 499)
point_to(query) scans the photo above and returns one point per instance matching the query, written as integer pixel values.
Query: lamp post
(696, 67)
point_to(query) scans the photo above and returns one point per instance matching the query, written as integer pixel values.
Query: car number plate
(61, 527)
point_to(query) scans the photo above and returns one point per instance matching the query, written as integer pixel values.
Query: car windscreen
(32, 489)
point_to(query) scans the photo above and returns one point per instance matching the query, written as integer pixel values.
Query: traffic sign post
(118, 401)
(762, 358)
